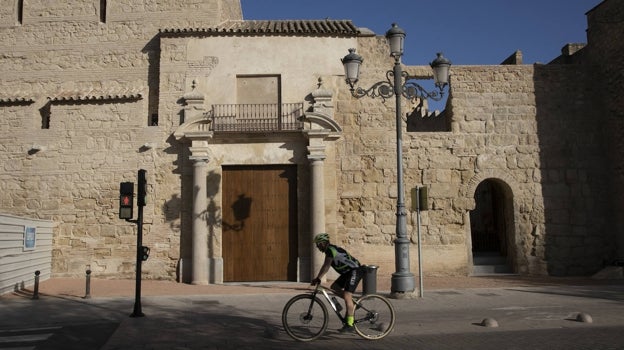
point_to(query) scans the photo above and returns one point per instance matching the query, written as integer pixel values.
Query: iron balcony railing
(257, 117)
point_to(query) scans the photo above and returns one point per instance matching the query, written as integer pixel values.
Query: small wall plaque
(30, 237)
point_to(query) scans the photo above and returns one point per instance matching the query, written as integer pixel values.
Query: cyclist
(350, 272)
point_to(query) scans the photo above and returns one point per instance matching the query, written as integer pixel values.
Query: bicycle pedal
(347, 329)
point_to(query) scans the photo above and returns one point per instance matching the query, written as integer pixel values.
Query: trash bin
(370, 280)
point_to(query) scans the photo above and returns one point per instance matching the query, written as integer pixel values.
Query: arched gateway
(492, 224)
(258, 190)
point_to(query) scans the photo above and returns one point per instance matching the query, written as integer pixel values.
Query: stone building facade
(92, 91)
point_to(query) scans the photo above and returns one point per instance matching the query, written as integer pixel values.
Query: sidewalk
(76, 287)
(248, 315)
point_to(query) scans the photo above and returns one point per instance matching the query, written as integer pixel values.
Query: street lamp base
(402, 282)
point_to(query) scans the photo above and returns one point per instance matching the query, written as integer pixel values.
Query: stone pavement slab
(248, 316)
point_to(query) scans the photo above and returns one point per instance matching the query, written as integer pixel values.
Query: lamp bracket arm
(411, 90)
(383, 89)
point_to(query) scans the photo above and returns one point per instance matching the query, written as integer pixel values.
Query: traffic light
(142, 188)
(126, 200)
(144, 252)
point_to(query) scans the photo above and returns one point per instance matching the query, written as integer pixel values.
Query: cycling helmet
(321, 237)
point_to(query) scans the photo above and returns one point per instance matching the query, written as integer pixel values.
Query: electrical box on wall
(420, 198)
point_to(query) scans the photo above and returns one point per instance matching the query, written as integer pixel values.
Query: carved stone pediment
(195, 128)
(321, 125)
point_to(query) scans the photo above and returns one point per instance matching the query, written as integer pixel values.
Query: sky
(468, 32)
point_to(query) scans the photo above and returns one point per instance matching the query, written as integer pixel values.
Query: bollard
(36, 289)
(88, 286)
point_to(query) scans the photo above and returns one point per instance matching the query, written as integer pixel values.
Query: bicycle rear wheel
(374, 317)
(305, 317)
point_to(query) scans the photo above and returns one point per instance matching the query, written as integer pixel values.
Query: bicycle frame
(323, 290)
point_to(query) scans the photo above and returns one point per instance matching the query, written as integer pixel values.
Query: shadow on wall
(432, 122)
(152, 50)
(241, 209)
(421, 118)
(576, 239)
(182, 208)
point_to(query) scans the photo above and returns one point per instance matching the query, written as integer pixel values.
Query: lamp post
(398, 83)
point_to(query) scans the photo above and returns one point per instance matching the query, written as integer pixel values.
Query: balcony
(260, 118)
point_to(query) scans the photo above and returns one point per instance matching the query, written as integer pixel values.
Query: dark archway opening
(489, 229)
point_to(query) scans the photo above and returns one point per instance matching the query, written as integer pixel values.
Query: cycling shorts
(349, 281)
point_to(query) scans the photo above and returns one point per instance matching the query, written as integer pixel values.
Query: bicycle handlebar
(320, 287)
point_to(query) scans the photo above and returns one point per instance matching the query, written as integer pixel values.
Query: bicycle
(305, 316)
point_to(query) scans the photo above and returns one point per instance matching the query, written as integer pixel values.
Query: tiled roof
(15, 99)
(276, 27)
(95, 95)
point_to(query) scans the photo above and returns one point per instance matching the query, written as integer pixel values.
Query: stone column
(317, 204)
(200, 226)
(321, 128)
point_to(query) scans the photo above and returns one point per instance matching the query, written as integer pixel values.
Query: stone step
(479, 270)
(489, 259)
(490, 264)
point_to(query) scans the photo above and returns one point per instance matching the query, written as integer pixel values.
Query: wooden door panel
(259, 223)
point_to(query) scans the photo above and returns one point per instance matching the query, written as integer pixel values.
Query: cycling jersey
(342, 262)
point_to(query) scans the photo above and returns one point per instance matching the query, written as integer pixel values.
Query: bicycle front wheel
(305, 317)
(374, 317)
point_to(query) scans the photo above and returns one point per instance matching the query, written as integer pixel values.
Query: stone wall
(62, 46)
(98, 84)
(538, 131)
(606, 49)
(531, 127)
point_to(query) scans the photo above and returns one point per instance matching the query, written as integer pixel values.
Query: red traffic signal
(126, 200)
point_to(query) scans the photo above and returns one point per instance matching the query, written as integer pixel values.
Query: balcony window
(268, 117)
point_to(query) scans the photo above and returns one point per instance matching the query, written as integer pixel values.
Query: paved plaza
(530, 313)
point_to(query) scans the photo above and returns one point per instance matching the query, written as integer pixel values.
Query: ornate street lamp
(398, 83)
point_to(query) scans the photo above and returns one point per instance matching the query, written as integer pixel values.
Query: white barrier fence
(25, 247)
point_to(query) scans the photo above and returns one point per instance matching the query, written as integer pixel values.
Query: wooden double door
(259, 223)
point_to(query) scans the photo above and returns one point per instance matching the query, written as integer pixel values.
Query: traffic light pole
(137, 312)
(137, 297)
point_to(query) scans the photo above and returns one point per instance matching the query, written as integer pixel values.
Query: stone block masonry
(94, 80)
(82, 92)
